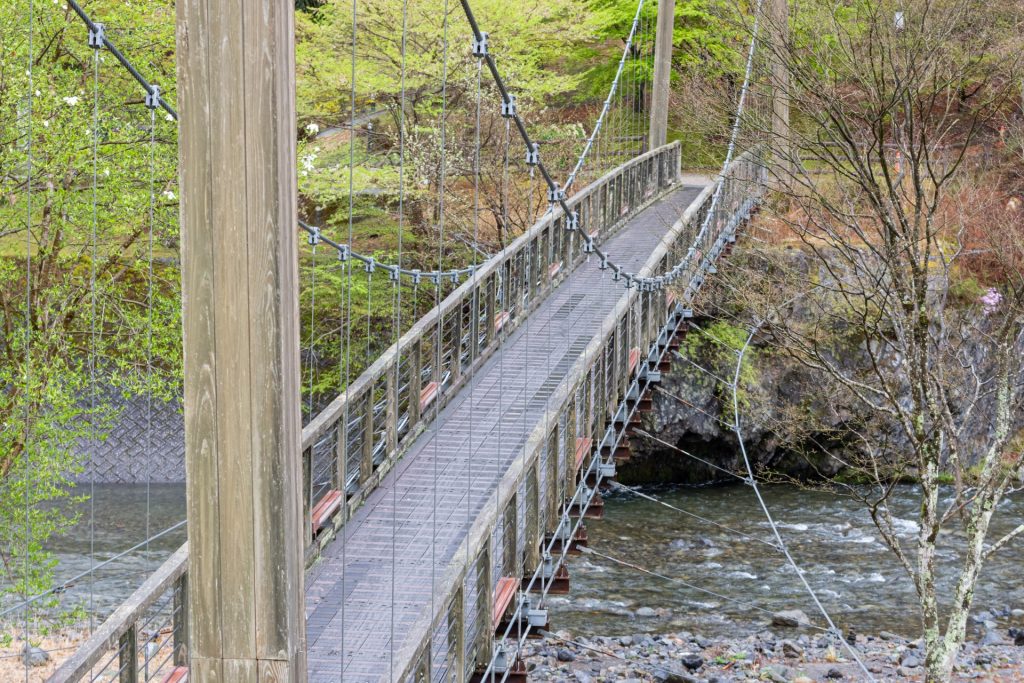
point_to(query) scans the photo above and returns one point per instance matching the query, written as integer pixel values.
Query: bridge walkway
(376, 584)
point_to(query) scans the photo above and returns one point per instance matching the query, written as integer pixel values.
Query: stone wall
(137, 449)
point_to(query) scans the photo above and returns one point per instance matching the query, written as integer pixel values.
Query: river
(831, 537)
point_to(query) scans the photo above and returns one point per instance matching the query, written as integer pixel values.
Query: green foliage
(81, 228)
(526, 38)
(720, 343)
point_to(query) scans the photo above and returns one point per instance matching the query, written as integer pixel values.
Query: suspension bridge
(412, 528)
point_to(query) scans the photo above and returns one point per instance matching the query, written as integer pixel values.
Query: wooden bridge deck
(405, 535)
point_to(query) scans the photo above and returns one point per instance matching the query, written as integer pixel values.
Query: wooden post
(180, 626)
(366, 462)
(533, 514)
(779, 25)
(662, 73)
(128, 655)
(236, 75)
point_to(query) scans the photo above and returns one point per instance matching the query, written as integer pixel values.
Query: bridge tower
(662, 73)
(778, 25)
(240, 297)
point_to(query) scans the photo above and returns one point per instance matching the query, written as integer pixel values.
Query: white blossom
(312, 129)
(71, 101)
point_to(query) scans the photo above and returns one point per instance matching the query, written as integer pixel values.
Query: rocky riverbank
(782, 654)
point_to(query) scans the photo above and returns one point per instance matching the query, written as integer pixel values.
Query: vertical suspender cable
(149, 320)
(398, 320)
(474, 338)
(27, 396)
(346, 333)
(312, 340)
(439, 345)
(94, 255)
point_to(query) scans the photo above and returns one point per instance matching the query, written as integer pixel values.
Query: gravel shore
(781, 654)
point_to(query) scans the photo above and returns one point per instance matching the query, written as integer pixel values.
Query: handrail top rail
(333, 411)
(123, 618)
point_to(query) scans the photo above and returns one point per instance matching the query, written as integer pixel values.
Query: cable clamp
(604, 260)
(556, 195)
(455, 277)
(573, 223)
(548, 566)
(370, 265)
(97, 37)
(435, 278)
(588, 248)
(394, 273)
(533, 155)
(617, 275)
(537, 618)
(500, 663)
(344, 251)
(417, 277)
(314, 237)
(480, 46)
(153, 97)
(508, 108)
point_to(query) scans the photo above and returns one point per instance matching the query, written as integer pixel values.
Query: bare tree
(912, 257)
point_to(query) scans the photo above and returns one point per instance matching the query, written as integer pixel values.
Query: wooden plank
(234, 525)
(241, 344)
(504, 592)
(199, 329)
(178, 674)
(328, 506)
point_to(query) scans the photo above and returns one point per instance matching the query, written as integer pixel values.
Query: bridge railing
(523, 519)
(146, 638)
(350, 445)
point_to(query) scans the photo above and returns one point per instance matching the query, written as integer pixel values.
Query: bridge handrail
(119, 632)
(519, 277)
(428, 321)
(635, 319)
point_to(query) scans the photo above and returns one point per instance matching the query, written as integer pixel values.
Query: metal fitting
(533, 155)
(314, 237)
(508, 108)
(480, 46)
(556, 195)
(97, 37)
(153, 98)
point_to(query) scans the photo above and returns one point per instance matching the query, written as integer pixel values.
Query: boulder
(790, 618)
(34, 656)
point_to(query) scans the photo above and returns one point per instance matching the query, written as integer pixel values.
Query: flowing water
(736, 581)
(93, 570)
(732, 577)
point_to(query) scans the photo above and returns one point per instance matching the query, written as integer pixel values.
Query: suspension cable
(639, 494)
(764, 507)
(97, 30)
(557, 194)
